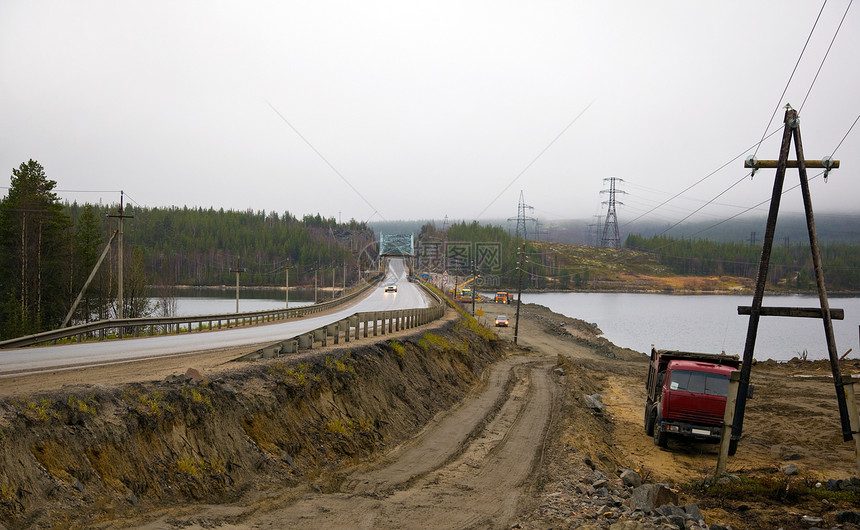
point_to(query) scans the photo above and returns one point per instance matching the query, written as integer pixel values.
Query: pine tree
(34, 253)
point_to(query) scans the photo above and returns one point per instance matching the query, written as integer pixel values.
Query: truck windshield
(699, 383)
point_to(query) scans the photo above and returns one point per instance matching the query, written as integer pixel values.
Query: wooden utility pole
(474, 285)
(288, 284)
(790, 133)
(119, 266)
(237, 270)
(519, 295)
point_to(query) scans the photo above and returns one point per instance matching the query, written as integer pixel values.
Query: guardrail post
(271, 352)
(333, 331)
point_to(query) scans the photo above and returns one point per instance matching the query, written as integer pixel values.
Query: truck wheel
(733, 447)
(650, 418)
(661, 438)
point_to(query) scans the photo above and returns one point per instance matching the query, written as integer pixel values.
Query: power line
(535, 159)
(835, 33)
(709, 175)
(329, 164)
(784, 90)
(785, 191)
(846, 136)
(707, 203)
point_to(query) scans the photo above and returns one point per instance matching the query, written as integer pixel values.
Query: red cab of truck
(687, 396)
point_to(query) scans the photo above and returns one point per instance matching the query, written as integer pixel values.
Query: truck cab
(687, 396)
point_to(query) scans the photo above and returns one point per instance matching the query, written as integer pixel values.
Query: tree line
(49, 248)
(791, 265)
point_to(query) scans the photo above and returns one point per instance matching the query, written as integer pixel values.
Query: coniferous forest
(48, 250)
(791, 266)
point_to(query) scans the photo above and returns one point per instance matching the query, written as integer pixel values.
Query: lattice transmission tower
(611, 236)
(521, 217)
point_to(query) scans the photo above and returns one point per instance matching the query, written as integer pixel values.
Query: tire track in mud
(471, 468)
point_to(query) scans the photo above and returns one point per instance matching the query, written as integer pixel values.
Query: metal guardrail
(147, 326)
(354, 327)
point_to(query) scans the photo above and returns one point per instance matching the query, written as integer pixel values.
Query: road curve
(47, 358)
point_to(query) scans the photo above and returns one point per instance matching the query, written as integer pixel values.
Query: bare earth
(513, 448)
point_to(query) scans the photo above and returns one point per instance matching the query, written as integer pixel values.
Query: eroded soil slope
(88, 454)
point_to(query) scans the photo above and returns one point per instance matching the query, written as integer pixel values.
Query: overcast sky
(427, 109)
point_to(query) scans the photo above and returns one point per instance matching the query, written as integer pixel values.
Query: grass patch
(7, 493)
(198, 467)
(195, 396)
(298, 375)
(398, 348)
(42, 410)
(85, 406)
(349, 427)
(344, 364)
(437, 342)
(473, 325)
(153, 404)
(779, 489)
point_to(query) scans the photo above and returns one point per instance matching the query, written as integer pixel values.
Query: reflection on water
(707, 323)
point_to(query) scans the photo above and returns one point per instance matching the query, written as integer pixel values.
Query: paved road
(34, 359)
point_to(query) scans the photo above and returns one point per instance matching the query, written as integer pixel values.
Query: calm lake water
(707, 323)
(216, 301)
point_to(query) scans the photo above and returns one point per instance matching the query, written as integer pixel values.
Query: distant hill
(791, 229)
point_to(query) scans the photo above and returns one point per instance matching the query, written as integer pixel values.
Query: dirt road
(474, 466)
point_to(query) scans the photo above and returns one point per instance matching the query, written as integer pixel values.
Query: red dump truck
(687, 396)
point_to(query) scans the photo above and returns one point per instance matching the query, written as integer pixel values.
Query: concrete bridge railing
(355, 327)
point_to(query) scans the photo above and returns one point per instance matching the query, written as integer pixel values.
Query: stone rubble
(622, 502)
